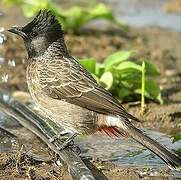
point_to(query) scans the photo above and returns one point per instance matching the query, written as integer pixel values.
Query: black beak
(18, 31)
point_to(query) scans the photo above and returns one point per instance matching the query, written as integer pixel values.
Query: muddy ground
(160, 45)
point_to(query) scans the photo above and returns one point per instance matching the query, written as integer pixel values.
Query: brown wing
(66, 79)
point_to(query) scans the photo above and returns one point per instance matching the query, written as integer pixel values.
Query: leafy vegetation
(71, 19)
(124, 78)
(143, 88)
(177, 137)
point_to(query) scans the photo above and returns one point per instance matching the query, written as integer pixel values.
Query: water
(141, 13)
(129, 154)
(124, 152)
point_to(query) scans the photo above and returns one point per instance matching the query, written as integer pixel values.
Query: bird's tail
(173, 161)
(120, 126)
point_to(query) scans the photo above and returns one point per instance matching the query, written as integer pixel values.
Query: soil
(16, 167)
(173, 6)
(160, 45)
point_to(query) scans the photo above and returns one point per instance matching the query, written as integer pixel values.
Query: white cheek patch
(116, 122)
(39, 43)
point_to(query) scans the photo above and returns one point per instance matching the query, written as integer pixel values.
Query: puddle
(124, 152)
(129, 154)
(8, 142)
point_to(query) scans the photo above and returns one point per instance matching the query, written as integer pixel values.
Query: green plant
(177, 137)
(143, 88)
(71, 19)
(125, 78)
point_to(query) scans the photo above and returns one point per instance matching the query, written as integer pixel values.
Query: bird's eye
(34, 34)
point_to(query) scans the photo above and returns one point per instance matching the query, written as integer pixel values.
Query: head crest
(44, 21)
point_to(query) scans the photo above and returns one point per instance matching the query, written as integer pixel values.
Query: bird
(68, 94)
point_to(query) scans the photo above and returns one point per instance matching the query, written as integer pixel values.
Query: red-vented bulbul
(68, 94)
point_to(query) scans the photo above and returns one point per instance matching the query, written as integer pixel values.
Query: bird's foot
(68, 141)
(60, 136)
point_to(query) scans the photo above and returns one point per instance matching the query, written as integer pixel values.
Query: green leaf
(102, 11)
(151, 69)
(89, 64)
(122, 25)
(116, 58)
(179, 125)
(77, 16)
(131, 77)
(178, 152)
(71, 19)
(123, 93)
(99, 69)
(138, 91)
(128, 66)
(106, 80)
(152, 90)
(11, 2)
(31, 7)
(176, 137)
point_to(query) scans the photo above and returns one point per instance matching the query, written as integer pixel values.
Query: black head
(42, 31)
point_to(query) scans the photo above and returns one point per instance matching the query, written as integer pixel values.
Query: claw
(61, 135)
(68, 141)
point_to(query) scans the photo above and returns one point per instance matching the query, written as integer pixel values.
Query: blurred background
(131, 47)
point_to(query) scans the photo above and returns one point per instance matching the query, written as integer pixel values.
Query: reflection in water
(124, 152)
